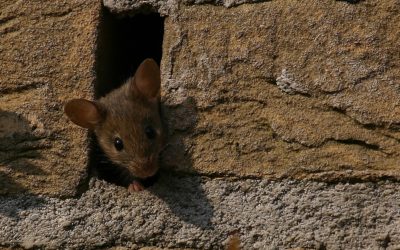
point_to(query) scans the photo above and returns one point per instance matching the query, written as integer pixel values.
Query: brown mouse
(127, 123)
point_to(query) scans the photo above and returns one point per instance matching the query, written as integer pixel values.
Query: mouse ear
(83, 113)
(147, 79)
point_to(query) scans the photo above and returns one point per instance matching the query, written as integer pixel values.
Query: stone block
(297, 89)
(47, 55)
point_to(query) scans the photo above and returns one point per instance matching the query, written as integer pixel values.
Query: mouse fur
(127, 123)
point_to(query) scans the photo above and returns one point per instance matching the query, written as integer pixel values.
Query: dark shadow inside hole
(123, 43)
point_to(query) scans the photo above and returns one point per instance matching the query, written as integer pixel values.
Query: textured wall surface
(201, 213)
(264, 103)
(284, 89)
(46, 57)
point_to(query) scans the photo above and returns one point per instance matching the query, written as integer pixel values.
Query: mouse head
(127, 121)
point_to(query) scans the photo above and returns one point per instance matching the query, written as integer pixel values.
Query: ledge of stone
(197, 212)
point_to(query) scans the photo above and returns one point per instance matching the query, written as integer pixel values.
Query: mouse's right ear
(83, 113)
(147, 79)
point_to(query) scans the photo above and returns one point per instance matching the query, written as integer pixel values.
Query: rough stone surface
(302, 89)
(169, 7)
(299, 89)
(46, 58)
(202, 213)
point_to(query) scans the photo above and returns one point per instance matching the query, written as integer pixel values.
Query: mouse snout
(148, 168)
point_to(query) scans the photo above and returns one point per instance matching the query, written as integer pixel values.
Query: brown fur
(126, 116)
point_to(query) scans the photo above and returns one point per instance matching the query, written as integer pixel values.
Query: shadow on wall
(182, 192)
(18, 147)
(124, 42)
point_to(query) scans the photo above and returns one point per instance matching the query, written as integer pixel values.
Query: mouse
(127, 124)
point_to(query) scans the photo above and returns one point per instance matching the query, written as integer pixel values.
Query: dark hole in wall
(123, 43)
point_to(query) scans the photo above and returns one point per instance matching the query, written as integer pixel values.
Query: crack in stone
(358, 142)
(21, 87)
(347, 141)
(350, 1)
(58, 13)
(6, 19)
(370, 126)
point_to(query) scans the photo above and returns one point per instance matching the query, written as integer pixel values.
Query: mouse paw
(135, 186)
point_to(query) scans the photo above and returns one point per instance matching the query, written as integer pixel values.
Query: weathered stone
(300, 89)
(47, 57)
(131, 7)
(201, 213)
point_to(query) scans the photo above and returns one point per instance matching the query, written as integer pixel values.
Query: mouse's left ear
(84, 113)
(147, 80)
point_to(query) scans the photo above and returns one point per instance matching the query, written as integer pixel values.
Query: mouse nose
(151, 166)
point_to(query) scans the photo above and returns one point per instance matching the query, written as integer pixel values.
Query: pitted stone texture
(132, 7)
(202, 213)
(169, 7)
(305, 89)
(46, 57)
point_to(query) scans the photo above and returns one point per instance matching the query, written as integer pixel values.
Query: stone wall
(278, 89)
(283, 120)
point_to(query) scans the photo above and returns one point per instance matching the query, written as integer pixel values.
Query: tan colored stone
(46, 57)
(299, 89)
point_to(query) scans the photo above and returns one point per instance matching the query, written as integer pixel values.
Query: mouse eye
(150, 132)
(118, 144)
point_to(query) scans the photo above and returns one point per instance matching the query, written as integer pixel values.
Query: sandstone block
(299, 89)
(46, 57)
